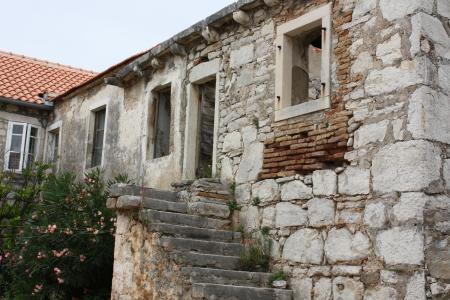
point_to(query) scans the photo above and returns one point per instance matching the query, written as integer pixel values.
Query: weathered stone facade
(356, 196)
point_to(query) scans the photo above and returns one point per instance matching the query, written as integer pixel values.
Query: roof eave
(25, 104)
(164, 46)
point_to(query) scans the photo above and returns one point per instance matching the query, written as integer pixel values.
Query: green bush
(63, 247)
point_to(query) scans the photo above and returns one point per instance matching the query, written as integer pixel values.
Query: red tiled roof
(23, 78)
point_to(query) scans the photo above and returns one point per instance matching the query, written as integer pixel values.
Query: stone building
(328, 120)
(25, 85)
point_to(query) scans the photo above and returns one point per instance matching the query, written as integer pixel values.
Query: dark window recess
(99, 131)
(306, 67)
(32, 146)
(206, 129)
(162, 124)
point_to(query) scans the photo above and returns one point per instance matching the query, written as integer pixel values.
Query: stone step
(156, 216)
(195, 232)
(118, 190)
(162, 205)
(209, 208)
(228, 277)
(211, 247)
(219, 291)
(196, 259)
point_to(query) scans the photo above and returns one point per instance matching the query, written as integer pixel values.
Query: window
(303, 64)
(53, 148)
(99, 133)
(162, 123)
(21, 146)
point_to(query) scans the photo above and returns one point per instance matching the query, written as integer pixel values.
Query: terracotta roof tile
(23, 78)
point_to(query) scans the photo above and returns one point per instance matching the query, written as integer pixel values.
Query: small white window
(21, 146)
(302, 82)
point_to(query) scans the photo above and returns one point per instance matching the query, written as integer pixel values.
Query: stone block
(375, 215)
(415, 288)
(203, 70)
(362, 63)
(428, 115)
(410, 208)
(251, 163)
(111, 203)
(392, 10)
(437, 255)
(128, 202)
(380, 293)
(250, 217)
(209, 209)
(444, 78)
(320, 212)
(363, 7)
(370, 133)
(241, 56)
(288, 214)
(390, 51)
(123, 223)
(341, 246)
(304, 246)
(349, 216)
(242, 193)
(232, 142)
(354, 181)
(302, 288)
(266, 190)
(406, 166)
(443, 8)
(268, 217)
(295, 190)
(426, 26)
(343, 270)
(226, 170)
(324, 182)
(392, 79)
(401, 246)
(347, 288)
(447, 173)
(249, 135)
(322, 289)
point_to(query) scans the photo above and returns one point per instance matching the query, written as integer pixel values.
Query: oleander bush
(58, 240)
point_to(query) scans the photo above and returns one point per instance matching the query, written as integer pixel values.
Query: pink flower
(57, 270)
(41, 255)
(60, 280)
(82, 258)
(38, 288)
(51, 228)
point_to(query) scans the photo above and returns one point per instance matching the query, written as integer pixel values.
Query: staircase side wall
(142, 270)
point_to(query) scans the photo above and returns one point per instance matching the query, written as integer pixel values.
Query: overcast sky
(95, 34)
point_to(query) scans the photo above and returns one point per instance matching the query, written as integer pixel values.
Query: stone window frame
(49, 149)
(24, 145)
(90, 134)
(283, 75)
(198, 75)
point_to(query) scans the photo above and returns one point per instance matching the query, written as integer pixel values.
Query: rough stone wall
(373, 228)
(142, 270)
(128, 131)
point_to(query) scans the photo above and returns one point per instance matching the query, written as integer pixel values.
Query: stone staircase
(197, 236)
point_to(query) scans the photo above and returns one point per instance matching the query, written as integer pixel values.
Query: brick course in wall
(300, 146)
